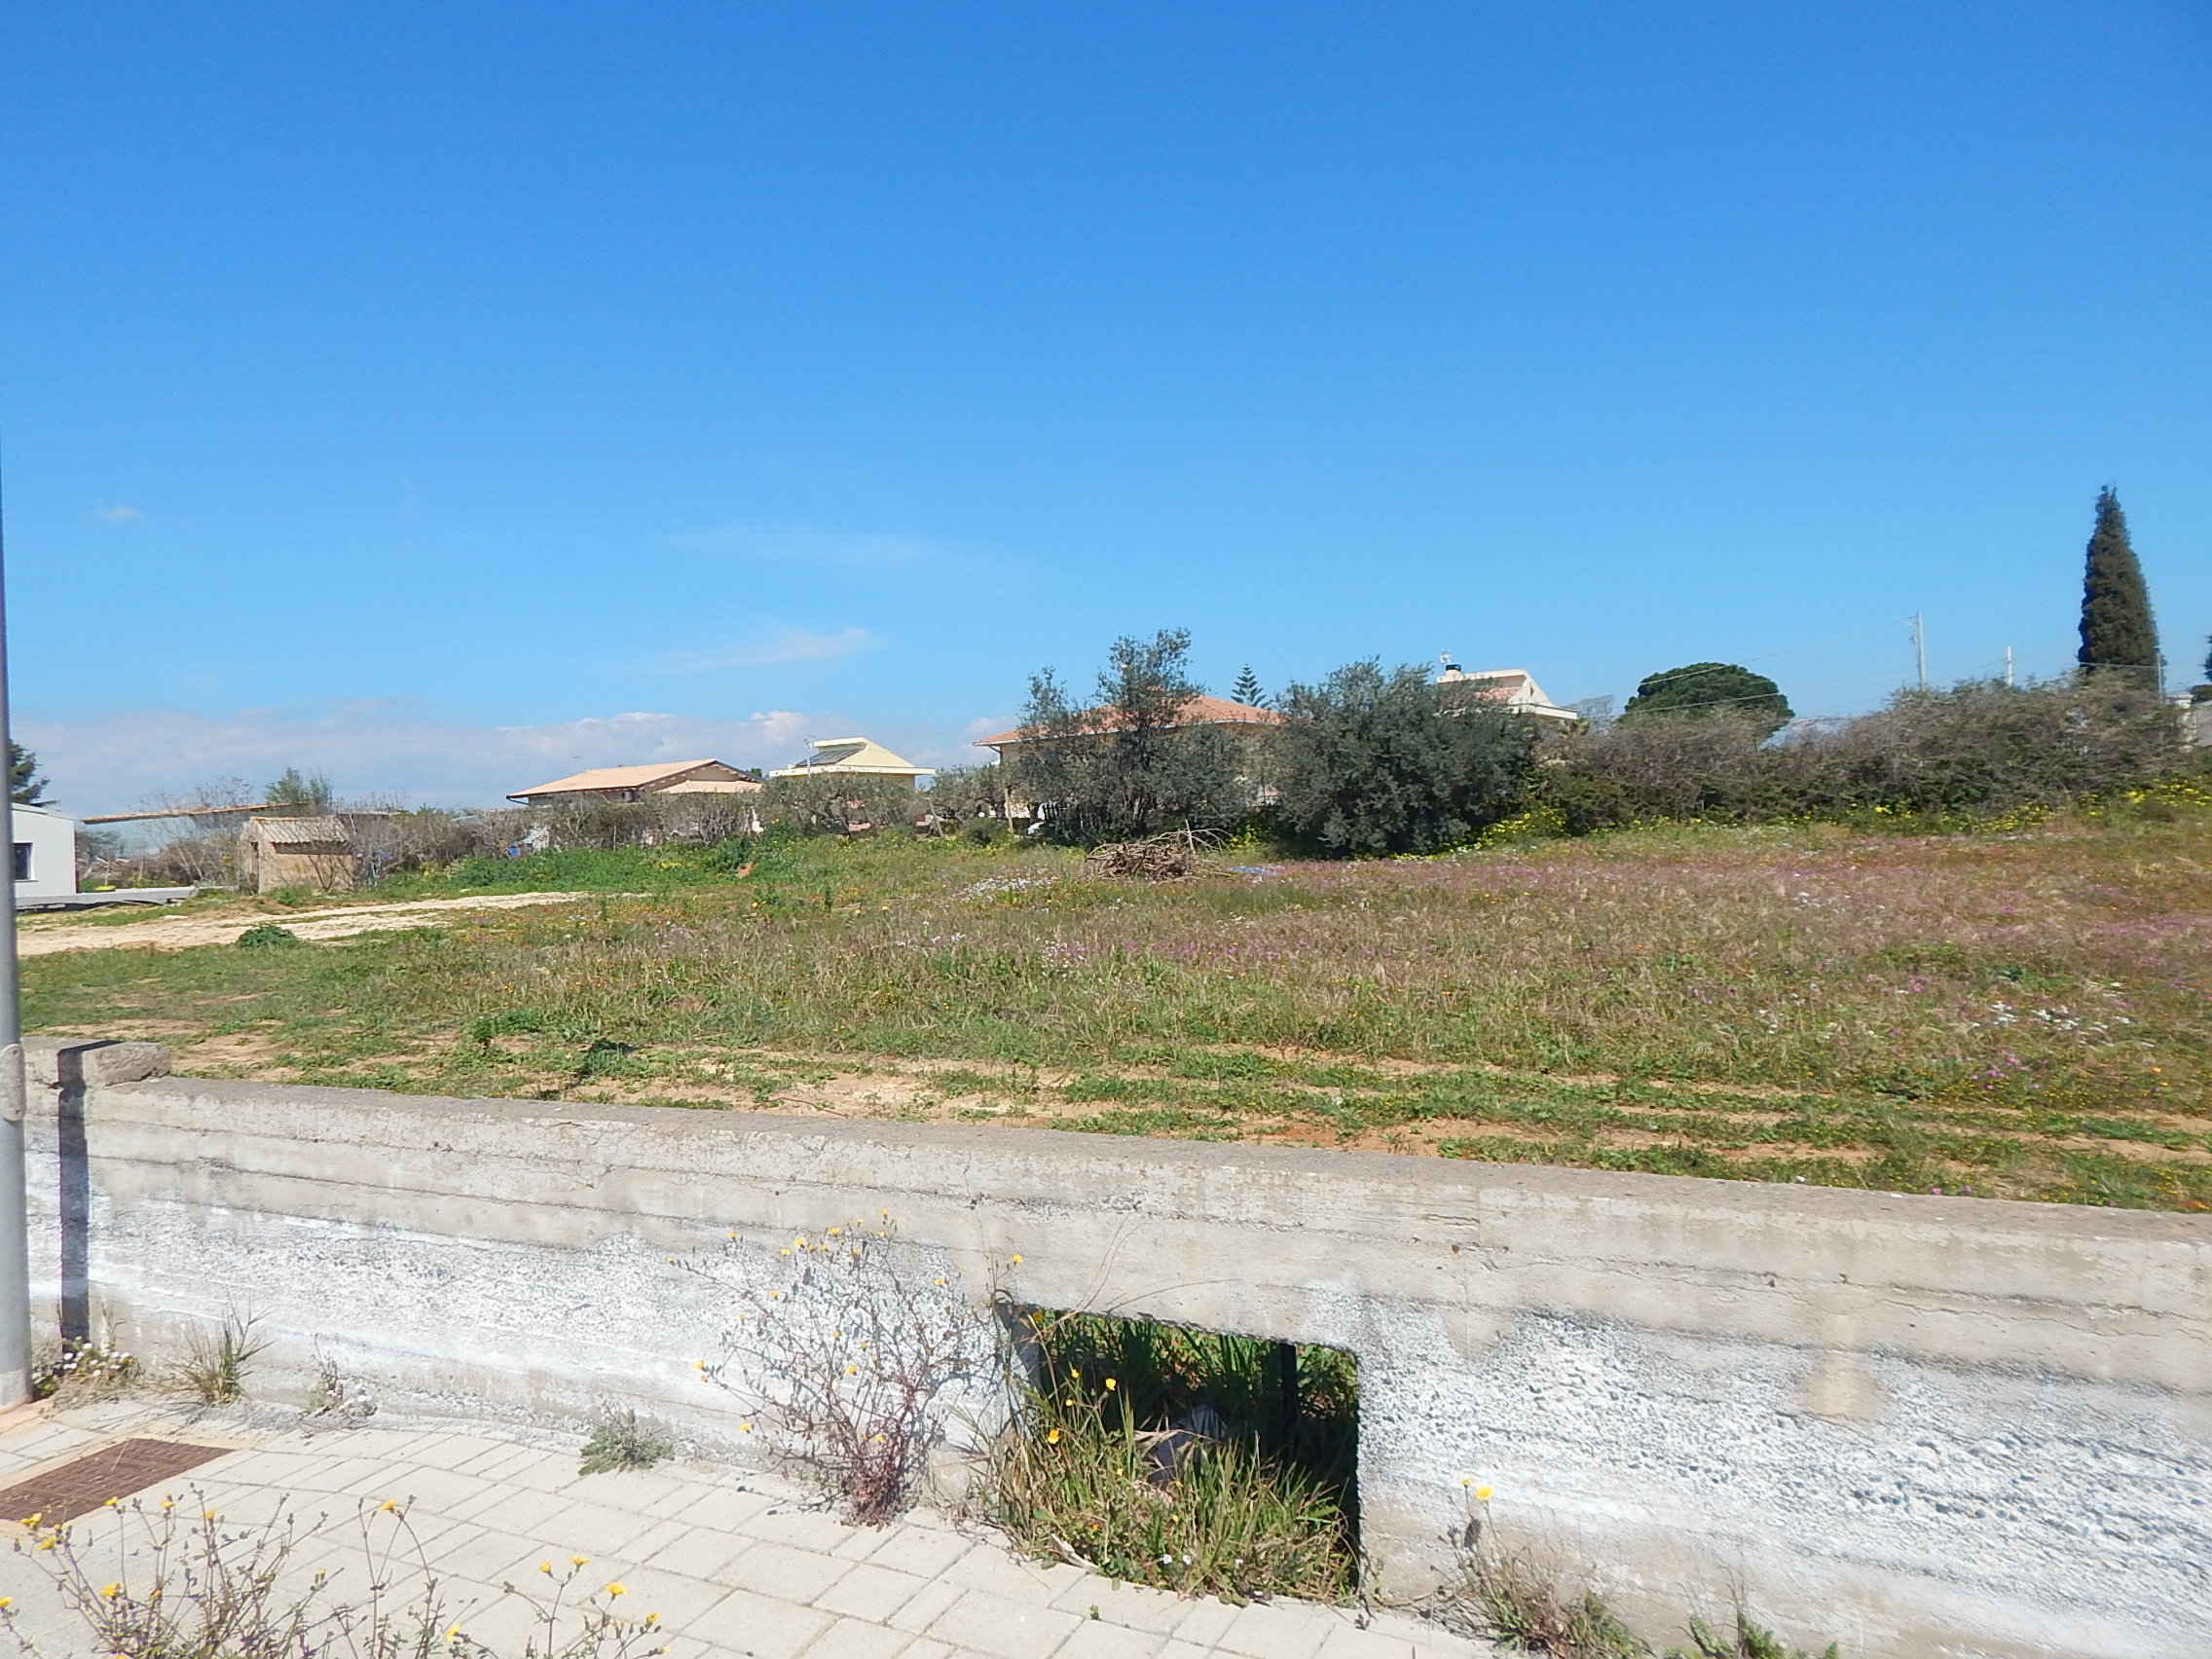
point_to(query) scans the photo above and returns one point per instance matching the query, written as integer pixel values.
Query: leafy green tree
(25, 788)
(842, 803)
(1709, 688)
(2117, 630)
(1371, 761)
(1129, 765)
(299, 795)
(1247, 689)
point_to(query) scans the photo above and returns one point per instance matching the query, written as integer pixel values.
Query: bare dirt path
(182, 932)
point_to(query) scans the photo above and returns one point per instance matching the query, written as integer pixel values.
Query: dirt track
(182, 932)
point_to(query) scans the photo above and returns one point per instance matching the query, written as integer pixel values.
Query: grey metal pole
(15, 1242)
(1920, 649)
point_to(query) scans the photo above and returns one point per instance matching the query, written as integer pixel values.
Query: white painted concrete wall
(52, 840)
(1919, 1425)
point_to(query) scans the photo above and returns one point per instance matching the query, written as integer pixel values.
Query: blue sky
(442, 396)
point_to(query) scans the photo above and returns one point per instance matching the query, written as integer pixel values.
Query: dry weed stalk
(844, 1352)
(1173, 855)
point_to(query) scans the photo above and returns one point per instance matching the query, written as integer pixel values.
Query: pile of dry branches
(1171, 855)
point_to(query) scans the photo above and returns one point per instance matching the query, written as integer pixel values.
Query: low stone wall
(1919, 1425)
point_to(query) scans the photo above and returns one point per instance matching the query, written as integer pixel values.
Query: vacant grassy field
(2019, 1014)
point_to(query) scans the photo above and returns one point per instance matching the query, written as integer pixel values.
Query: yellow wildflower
(1111, 1385)
(613, 1589)
(1052, 1437)
(111, 1591)
(578, 1561)
(1016, 1260)
(7, 1601)
(1482, 1495)
(545, 1567)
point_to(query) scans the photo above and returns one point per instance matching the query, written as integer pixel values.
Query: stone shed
(295, 852)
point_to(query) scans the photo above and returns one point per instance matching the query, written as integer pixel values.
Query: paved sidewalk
(734, 1562)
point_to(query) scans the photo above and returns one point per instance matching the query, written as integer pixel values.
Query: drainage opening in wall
(1190, 1459)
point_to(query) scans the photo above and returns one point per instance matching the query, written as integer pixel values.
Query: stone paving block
(1205, 1621)
(926, 1647)
(927, 1608)
(867, 1591)
(520, 1509)
(803, 1526)
(701, 1552)
(481, 1552)
(635, 1490)
(725, 1508)
(1348, 1641)
(856, 1638)
(1095, 1638)
(777, 1569)
(678, 1600)
(587, 1529)
(1269, 1631)
(1003, 1627)
(1002, 1572)
(760, 1626)
(450, 1449)
(1137, 1605)
(918, 1550)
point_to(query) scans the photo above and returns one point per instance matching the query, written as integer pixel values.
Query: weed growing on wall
(332, 1401)
(623, 1440)
(81, 1370)
(842, 1348)
(215, 1363)
(172, 1580)
(1533, 1604)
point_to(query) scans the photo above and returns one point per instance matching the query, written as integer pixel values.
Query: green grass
(1102, 1467)
(2023, 1015)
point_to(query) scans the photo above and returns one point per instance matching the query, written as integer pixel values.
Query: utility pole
(2008, 668)
(1920, 648)
(14, 1241)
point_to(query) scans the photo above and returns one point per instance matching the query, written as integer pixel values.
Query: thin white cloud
(117, 762)
(805, 544)
(117, 514)
(789, 645)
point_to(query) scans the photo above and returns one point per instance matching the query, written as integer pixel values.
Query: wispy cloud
(112, 763)
(117, 514)
(789, 645)
(808, 545)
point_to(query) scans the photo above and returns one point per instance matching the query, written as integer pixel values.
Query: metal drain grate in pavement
(80, 1487)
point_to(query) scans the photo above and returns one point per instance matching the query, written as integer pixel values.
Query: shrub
(621, 1440)
(1129, 767)
(842, 1346)
(842, 803)
(1369, 762)
(265, 934)
(1981, 747)
(1709, 689)
(215, 1364)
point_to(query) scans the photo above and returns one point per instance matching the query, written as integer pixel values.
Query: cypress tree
(2117, 630)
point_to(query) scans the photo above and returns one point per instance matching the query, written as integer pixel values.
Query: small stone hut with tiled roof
(295, 852)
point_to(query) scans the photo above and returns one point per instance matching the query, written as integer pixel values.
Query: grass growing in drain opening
(1174, 1458)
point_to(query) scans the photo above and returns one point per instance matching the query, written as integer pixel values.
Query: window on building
(22, 860)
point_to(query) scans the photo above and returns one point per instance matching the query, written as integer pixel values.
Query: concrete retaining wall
(1922, 1425)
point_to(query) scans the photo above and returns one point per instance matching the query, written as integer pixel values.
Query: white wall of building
(46, 853)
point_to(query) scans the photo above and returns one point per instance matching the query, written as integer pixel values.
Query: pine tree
(2117, 630)
(1247, 689)
(25, 788)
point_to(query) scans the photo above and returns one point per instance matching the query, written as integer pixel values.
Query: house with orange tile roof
(635, 783)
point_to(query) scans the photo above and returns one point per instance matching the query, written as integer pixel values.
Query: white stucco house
(46, 853)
